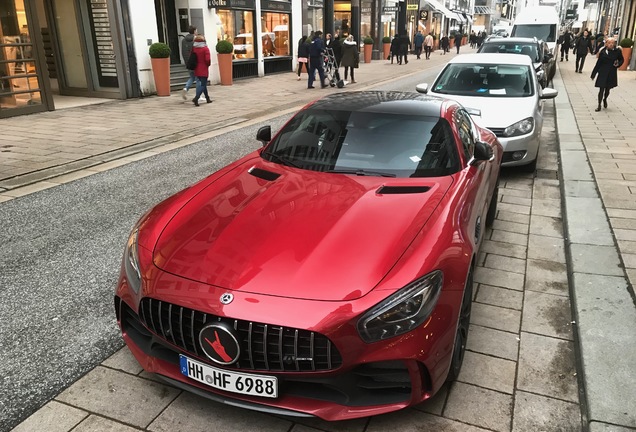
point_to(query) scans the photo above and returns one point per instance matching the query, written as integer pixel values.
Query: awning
(460, 18)
(441, 9)
(483, 10)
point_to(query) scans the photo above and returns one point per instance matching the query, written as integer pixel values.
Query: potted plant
(626, 45)
(368, 48)
(386, 46)
(225, 51)
(464, 38)
(160, 60)
(451, 39)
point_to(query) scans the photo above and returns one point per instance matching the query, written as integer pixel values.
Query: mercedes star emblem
(227, 298)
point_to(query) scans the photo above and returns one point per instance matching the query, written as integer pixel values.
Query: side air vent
(392, 190)
(265, 175)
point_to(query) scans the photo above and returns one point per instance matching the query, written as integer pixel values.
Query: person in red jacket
(201, 72)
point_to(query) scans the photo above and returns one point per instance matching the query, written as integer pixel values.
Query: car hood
(303, 234)
(497, 112)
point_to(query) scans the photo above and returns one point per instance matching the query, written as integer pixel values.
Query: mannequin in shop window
(268, 46)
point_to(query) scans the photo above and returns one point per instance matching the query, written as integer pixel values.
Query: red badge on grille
(220, 343)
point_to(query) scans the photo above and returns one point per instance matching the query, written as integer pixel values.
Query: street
(60, 342)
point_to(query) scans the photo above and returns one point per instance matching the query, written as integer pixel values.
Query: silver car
(502, 93)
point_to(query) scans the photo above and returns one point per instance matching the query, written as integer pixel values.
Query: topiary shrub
(224, 47)
(386, 39)
(626, 43)
(368, 40)
(159, 50)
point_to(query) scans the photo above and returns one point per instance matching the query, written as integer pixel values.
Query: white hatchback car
(502, 93)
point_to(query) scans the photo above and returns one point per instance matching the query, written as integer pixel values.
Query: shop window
(275, 27)
(238, 27)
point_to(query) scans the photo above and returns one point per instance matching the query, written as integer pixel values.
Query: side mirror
(483, 152)
(549, 93)
(422, 88)
(547, 58)
(264, 135)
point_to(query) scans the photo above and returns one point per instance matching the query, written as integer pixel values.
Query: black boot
(605, 102)
(598, 108)
(195, 101)
(208, 100)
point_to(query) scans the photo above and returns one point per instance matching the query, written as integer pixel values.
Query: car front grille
(499, 132)
(264, 347)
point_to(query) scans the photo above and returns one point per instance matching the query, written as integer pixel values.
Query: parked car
(502, 93)
(327, 274)
(543, 61)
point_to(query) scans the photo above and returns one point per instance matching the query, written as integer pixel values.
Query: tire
(492, 208)
(531, 167)
(461, 334)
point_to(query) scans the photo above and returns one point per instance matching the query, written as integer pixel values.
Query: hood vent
(263, 174)
(392, 190)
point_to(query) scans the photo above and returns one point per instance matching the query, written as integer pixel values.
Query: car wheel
(461, 336)
(492, 208)
(529, 168)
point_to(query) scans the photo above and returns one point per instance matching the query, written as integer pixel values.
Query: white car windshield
(485, 80)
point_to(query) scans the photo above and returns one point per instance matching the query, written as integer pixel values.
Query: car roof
(494, 58)
(394, 102)
(515, 40)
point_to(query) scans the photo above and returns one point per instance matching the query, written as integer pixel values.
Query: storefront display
(237, 26)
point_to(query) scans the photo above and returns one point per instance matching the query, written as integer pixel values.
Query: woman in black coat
(395, 49)
(582, 47)
(609, 60)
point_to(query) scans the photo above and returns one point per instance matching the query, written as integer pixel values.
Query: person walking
(582, 47)
(186, 50)
(610, 58)
(418, 41)
(303, 55)
(473, 39)
(350, 57)
(405, 46)
(458, 40)
(395, 49)
(428, 45)
(202, 71)
(316, 50)
(566, 42)
(445, 43)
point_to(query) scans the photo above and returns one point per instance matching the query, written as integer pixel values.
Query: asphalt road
(60, 257)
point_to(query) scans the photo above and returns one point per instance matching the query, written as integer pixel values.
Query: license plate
(235, 382)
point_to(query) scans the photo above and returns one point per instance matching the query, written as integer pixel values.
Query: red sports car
(327, 274)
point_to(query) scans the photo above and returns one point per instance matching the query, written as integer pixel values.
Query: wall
(144, 27)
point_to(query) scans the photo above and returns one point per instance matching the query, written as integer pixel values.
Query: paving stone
(494, 277)
(547, 276)
(604, 427)
(194, 413)
(546, 248)
(595, 259)
(478, 406)
(620, 213)
(123, 360)
(109, 393)
(496, 317)
(511, 199)
(501, 248)
(626, 234)
(52, 417)
(496, 296)
(546, 226)
(521, 193)
(547, 314)
(513, 217)
(629, 260)
(95, 423)
(489, 372)
(514, 208)
(355, 425)
(546, 207)
(546, 189)
(587, 222)
(619, 223)
(505, 263)
(514, 227)
(493, 342)
(575, 166)
(509, 237)
(412, 420)
(434, 405)
(547, 367)
(539, 413)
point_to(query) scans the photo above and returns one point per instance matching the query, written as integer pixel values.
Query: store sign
(218, 3)
(389, 9)
(570, 14)
(411, 7)
(365, 10)
(277, 6)
(232, 4)
(103, 43)
(423, 14)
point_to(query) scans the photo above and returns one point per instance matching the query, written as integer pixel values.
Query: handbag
(191, 64)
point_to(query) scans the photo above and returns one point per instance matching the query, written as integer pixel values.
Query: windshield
(485, 80)
(546, 32)
(500, 46)
(366, 143)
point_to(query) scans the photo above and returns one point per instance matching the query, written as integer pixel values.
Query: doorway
(167, 27)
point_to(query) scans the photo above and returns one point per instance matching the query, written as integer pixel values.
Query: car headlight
(522, 127)
(402, 311)
(131, 261)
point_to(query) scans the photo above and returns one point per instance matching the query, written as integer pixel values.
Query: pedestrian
(202, 71)
(303, 55)
(565, 41)
(610, 58)
(418, 41)
(458, 40)
(582, 47)
(316, 50)
(473, 39)
(405, 46)
(350, 57)
(337, 50)
(186, 50)
(445, 43)
(428, 45)
(599, 42)
(395, 49)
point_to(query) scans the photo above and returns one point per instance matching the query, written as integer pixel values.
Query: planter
(225, 68)
(161, 74)
(627, 55)
(386, 50)
(368, 48)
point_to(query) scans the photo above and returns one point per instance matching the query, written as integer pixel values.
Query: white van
(541, 22)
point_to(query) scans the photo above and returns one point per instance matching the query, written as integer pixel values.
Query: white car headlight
(131, 261)
(402, 311)
(522, 127)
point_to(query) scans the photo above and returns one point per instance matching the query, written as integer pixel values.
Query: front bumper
(528, 143)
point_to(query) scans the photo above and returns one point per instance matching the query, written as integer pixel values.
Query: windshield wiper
(361, 172)
(282, 159)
